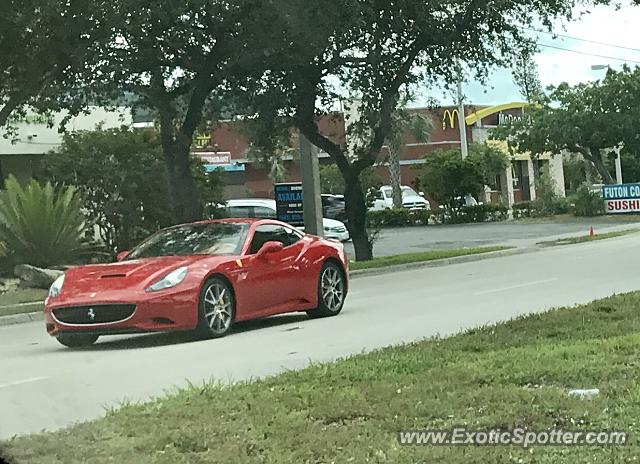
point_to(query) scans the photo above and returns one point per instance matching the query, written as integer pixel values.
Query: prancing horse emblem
(91, 314)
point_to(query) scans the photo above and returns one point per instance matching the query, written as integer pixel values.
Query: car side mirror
(421, 194)
(122, 255)
(268, 248)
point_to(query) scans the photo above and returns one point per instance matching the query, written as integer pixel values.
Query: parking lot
(514, 233)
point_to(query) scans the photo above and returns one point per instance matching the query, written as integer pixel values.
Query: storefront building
(516, 184)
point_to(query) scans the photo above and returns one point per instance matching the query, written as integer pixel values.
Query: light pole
(461, 122)
(619, 180)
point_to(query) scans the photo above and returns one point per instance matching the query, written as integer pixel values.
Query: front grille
(415, 205)
(96, 314)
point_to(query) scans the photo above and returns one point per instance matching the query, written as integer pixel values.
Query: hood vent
(111, 276)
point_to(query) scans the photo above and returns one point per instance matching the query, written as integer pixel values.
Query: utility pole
(311, 201)
(619, 180)
(461, 122)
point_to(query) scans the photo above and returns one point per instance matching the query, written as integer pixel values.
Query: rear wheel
(217, 309)
(332, 291)
(77, 340)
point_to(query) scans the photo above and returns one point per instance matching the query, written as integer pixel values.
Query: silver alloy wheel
(217, 307)
(332, 288)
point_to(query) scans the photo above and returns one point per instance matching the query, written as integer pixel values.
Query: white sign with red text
(622, 198)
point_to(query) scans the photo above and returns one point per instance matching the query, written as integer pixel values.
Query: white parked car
(410, 199)
(266, 208)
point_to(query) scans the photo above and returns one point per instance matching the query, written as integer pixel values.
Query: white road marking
(22, 382)
(512, 287)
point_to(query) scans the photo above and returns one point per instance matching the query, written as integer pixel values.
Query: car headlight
(56, 287)
(170, 280)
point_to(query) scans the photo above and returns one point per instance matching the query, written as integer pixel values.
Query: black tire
(215, 316)
(330, 302)
(77, 340)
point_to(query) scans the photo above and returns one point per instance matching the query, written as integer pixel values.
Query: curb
(441, 262)
(23, 318)
(39, 315)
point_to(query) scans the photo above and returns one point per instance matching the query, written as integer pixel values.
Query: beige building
(35, 135)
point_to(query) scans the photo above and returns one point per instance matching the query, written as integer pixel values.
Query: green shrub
(587, 203)
(479, 213)
(398, 217)
(462, 215)
(40, 225)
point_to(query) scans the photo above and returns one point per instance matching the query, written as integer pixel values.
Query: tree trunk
(396, 177)
(602, 169)
(356, 209)
(182, 187)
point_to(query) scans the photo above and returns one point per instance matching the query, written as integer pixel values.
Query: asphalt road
(43, 385)
(517, 234)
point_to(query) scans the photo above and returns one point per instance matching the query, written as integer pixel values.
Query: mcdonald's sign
(450, 116)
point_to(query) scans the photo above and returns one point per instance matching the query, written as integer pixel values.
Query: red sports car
(202, 276)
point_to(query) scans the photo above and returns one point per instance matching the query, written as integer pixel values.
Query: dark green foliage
(398, 217)
(468, 214)
(588, 202)
(122, 177)
(447, 177)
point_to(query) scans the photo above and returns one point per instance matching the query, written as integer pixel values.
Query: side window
(264, 212)
(293, 236)
(273, 233)
(267, 233)
(380, 195)
(239, 211)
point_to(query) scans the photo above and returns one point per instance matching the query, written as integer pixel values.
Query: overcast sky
(603, 24)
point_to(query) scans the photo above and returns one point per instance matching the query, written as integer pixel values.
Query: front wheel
(332, 291)
(77, 340)
(217, 309)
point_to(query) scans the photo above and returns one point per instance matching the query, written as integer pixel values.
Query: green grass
(22, 308)
(409, 258)
(587, 238)
(513, 374)
(10, 302)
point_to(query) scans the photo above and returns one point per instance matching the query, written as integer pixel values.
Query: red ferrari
(202, 276)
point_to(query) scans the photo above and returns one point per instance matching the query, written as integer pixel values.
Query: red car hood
(137, 273)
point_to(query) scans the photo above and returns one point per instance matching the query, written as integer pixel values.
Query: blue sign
(621, 192)
(622, 198)
(224, 167)
(289, 205)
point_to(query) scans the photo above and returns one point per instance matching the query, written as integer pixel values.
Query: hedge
(465, 214)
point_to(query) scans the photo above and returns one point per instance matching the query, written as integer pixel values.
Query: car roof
(251, 202)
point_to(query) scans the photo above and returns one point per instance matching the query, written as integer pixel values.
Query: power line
(590, 54)
(555, 34)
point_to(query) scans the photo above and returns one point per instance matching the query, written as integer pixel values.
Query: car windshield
(408, 192)
(193, 239)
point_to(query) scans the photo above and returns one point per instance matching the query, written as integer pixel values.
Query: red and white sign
(623, 206)
(219, 158)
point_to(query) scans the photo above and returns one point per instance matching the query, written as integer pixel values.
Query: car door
(270, 279)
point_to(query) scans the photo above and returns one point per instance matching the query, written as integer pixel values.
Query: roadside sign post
(311, 188)
(621, 198)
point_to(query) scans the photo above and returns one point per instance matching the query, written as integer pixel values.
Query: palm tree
(273, 161)
(405, 121)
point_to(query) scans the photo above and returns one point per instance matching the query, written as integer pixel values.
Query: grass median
(410, 258)
(22, 300)
(510, 375)
(588, 238)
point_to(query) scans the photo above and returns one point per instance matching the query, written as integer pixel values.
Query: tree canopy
(593, 120)
(375, 49)
(44, 45)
